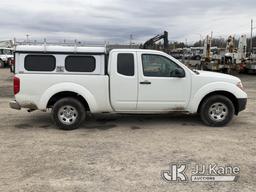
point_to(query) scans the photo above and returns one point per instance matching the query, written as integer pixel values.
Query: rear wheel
(217, 111)
(68, 113)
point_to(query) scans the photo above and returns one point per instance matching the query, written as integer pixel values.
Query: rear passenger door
(123, 81)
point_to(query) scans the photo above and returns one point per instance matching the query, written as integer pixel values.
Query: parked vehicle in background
(231, 60)
(197, 53)
(250, 66)
(11, 63)
(5, 55)
(177, 53)
(75, 80)
(181, 53)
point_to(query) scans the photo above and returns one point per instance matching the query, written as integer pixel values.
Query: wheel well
(224, 93)
(64, 94)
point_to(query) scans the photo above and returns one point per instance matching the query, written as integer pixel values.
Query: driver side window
(158, 66)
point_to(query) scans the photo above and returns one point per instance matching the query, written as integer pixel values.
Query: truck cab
(147, 81)
(74, 80)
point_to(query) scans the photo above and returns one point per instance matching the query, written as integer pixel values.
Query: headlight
(240, 85)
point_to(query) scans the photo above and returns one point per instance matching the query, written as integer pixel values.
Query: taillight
(16, 85)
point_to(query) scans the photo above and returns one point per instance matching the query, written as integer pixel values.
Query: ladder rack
(74, 43)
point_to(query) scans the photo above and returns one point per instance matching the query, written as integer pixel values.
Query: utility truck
(72, 81)
(230, 60)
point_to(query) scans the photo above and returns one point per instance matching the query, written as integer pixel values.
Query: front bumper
(241, 104)
(14, 105)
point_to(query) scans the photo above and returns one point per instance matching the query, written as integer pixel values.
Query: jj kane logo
(179, 172)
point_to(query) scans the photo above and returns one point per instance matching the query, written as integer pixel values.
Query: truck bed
(35, 89)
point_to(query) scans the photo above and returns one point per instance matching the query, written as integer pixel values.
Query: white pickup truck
(74, 80)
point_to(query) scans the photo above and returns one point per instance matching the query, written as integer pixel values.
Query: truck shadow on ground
(105, 122)
(109, 121)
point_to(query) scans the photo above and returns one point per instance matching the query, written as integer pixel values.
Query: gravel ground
(120, 152)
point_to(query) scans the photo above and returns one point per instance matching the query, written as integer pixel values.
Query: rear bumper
(14, 105)
(242, 104)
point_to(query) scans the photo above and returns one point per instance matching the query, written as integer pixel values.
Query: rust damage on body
(178, 108)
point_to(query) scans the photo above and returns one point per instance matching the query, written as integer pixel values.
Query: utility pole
(131, 37)
(201, 40)
(251, 36)
(211, 40)
(27, 38)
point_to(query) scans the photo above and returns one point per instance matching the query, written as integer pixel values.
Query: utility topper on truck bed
(74, 80)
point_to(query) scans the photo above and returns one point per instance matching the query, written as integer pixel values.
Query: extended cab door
(123, 80)
(161, 87)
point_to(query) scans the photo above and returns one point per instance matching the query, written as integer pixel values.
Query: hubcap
(67, 114)
(218, 112)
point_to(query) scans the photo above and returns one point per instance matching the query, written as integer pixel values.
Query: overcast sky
(115, 20)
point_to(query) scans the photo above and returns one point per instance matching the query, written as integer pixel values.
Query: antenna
(131, 38)
(27, 38)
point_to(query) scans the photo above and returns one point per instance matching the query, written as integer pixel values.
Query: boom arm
(152, 41)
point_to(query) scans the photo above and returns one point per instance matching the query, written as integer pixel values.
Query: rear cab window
(125, 64)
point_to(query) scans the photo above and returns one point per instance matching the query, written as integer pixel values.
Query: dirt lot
(120, 152)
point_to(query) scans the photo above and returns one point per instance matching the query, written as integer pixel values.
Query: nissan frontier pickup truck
(72, 81)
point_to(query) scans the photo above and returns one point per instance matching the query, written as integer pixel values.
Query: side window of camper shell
(45, 63)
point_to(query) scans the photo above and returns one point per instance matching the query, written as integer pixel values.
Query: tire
(217, 111)
(68, 113)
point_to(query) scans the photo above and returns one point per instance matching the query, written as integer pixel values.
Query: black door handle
(145, 83)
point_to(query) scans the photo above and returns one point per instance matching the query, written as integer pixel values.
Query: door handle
(145, 83)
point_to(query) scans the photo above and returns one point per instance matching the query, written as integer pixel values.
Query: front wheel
(217, 111)
(68, 113)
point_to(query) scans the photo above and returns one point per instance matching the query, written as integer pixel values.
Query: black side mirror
(179, 73)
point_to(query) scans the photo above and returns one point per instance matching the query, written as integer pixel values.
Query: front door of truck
(123, 81)
(161, 88)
